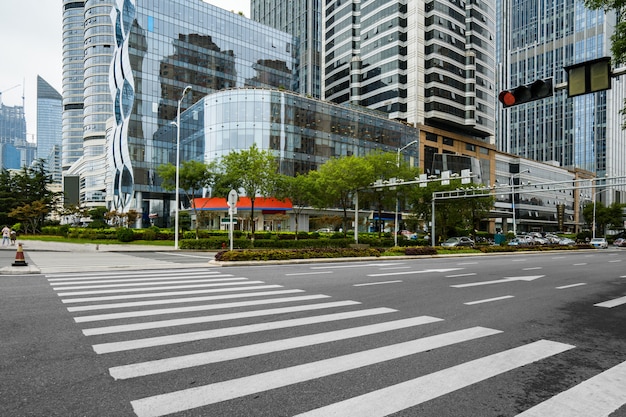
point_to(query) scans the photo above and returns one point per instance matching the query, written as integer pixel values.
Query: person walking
(13, 237)
(6, 234)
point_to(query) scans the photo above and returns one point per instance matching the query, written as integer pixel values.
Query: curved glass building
(302, 132)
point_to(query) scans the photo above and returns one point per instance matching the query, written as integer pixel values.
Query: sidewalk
(56, 257)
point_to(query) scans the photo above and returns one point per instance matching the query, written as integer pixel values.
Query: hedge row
(285, 254)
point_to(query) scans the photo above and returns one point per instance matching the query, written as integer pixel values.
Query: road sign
(232, 198)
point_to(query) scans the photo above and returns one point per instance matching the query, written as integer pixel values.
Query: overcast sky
(31, 45)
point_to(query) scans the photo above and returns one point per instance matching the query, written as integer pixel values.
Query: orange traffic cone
(19, 257)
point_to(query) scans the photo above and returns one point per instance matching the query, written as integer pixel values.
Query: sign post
(232, 209)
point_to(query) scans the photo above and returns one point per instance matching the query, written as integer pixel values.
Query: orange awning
(260, 203)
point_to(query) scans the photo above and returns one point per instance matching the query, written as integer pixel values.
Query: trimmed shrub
(285, 254)
(125, 234)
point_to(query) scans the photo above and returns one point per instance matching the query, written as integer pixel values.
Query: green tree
(451, 215)
(31, 215)
(337, 181)
(300, 190)
(193, 176)
(25, 187)
(253, 170)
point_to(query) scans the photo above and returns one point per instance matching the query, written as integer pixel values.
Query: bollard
(19, 257)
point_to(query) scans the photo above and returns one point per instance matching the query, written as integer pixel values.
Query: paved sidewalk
(55, 257)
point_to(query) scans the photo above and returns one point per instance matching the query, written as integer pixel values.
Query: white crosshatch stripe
(180, 300)
(209, 319)
(164, 294)
(217, 283)
(205, 358)
(612, 303)
(216, 278)
(176, 310)
(407, 394)
(170, 287)
(232, 331)
(598, 396)
(177, 401)
(117, 274)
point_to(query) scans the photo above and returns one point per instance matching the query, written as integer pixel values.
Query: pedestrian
(6, 234)
(13, 237)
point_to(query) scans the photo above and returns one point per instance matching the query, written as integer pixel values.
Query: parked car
(599, 242)
(566, 241)
(324, 230)
(620, 242)
(458, 241)
(518, 241)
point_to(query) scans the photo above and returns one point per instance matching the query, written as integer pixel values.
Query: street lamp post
(512, 185)
(188, 88)
(395, 235)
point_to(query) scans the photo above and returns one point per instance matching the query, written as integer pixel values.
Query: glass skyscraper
(539, 40)
(49, 113)
(150, 51)
(430, 63)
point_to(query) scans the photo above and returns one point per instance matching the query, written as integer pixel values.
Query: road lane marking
(232, 331)
(498, 281)
(175, 310)
(532, 268)
(216, 278)
(395, 398)
(519, 260)
(165, 294)
(377, 283)
(308, 273)
(612, 303)
(179, 300)
(423, 271)
(170, 287)
(564, 287)
(467, 263)
(206, 358)
(394, 267)
(597, 396)
(355, 265)
(135, 277)
(580, 264)
(488, 300)
(211, 319)
(615, 260)
(470, 274)
(187, 399)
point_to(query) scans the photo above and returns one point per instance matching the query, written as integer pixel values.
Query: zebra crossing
(118, 311)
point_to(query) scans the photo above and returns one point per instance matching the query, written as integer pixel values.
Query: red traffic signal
(526, 93)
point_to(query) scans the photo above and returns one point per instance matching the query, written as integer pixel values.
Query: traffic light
(589, 77)
(526, 93)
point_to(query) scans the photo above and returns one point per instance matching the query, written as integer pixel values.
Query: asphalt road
(485, 336)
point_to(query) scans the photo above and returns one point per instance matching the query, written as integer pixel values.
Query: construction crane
(4, 91)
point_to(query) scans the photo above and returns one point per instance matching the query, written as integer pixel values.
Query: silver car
(599, 243)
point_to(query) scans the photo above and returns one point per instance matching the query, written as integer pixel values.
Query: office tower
(49, 116)
(302, 19)
(429, 63)
(73, 86)
(153, 50)
(584, 132)
(15, 151)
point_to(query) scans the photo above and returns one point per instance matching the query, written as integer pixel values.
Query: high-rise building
(73, 85)
(302, 19)
(584, 132)
(429, 63)
(15, 151)
(150, 51)
(49, 114)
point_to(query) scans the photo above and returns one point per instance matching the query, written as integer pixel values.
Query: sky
(31, 45)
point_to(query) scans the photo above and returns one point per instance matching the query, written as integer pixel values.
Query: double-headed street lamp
(395, 235)
(512, 185)
(177, 123)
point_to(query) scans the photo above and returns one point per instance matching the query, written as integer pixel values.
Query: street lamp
(512, 185)
(188, 88)
(395, 235)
